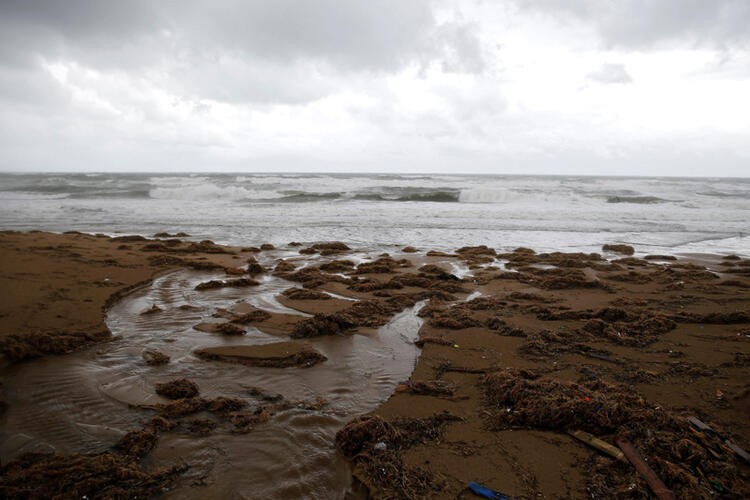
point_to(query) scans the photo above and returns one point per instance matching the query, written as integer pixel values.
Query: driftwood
(727, 445)
(599, 444)
(657, 485)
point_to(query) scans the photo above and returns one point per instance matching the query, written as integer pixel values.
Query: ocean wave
(111, 193)
(205, 191)
(724, 194)
(303, 196)
(489, 195)
(643, 200)
(428, 196)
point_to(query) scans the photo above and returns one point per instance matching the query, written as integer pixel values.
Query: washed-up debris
(701, 426)
(154, 357)
(104, 475)
(226, 328)
(337, 266)
(486, 492)
(256, 316)
(189, 406)
(433, 340)
(366, 313)
(244, 422)
(688, 465)
(253, 267)
(326, 248)
(151, 310)
(619, 248)
(546, 344)
(235, 283)
(260, 393)
(323, 324)
(283, 266)
(657, 485)
(361, 434)
(178, 389)
(447, 366)
(383, 265)
(160, 423)
(138, 443)
(201, 426)
(660, 257)
(384, 469)
(426, 388)
(305, 294)
(313, 405)
(599, 444)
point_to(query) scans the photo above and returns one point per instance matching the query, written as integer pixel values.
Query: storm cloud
(375, 86)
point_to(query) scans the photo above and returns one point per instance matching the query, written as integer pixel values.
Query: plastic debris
(485, 492)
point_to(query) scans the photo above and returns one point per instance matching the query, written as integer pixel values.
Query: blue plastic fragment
(485, 492)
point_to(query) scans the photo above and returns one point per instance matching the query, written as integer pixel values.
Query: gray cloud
(237, 50)
(353, 35)
(643, 23)
(397, 84)
(610, 73)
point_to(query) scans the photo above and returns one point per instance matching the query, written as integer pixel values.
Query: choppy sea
(567, 213)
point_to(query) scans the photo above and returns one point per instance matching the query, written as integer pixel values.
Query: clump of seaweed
(305, 294)
(367, 313)
(178, 389)
(234, 283)
(138, 443)
(104, 475)
(690, 465)
(374, 446)
(154, 357)
(28, 345)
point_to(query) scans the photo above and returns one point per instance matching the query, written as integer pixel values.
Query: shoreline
(543, 324)
(108, 270)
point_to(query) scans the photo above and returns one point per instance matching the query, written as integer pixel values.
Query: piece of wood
(738, 451)
(657, 485)
(599, 444)
(698, 424)
(728, 445)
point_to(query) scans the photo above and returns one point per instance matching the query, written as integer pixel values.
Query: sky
(594, 87)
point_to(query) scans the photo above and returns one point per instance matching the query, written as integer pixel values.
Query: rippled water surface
(85, 401)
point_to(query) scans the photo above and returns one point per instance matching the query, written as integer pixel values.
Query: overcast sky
(626, 87)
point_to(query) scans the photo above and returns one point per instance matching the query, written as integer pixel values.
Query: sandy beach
(517, 353)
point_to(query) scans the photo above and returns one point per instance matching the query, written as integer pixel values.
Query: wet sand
(517, 350)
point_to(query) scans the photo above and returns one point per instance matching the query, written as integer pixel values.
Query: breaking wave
(643, 200)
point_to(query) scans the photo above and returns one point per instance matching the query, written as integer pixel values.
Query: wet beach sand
(514, 353)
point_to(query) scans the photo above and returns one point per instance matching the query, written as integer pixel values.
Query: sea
(384, 212)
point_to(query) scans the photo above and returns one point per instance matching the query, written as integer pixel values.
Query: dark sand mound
(275, 355)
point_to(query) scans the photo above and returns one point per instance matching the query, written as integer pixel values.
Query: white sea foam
(206, 191)
(432, 212)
